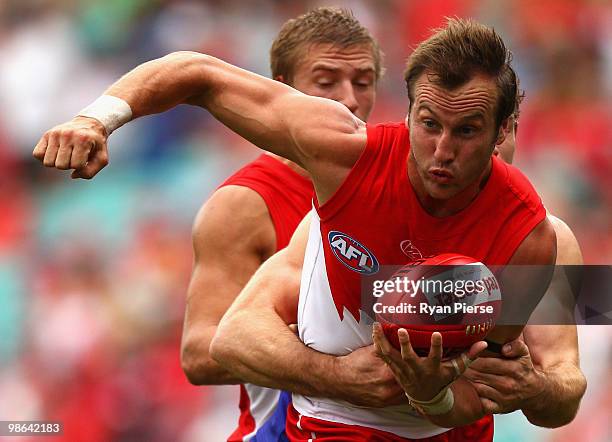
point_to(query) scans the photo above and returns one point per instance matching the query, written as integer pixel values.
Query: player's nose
(348, 97)
(444, 151)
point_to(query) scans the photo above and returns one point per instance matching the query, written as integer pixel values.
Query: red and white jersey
(288, 197)
(375, 219)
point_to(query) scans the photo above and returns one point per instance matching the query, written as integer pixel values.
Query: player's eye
(363, 84)
(467, 130)
(430, 124)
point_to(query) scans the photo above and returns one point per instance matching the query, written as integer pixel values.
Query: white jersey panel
(321, 328)
(318, 322)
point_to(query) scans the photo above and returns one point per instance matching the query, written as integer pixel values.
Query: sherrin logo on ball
(453, 294)
(352, 253)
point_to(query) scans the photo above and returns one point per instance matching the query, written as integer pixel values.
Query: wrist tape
(112, 112)
(441, 403)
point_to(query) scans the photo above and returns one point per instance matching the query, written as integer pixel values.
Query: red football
(453, 294)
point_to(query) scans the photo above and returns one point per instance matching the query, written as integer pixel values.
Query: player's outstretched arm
(232, 236)
(316, 133)
(254, 343)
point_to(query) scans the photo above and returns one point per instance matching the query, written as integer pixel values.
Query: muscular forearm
(199, 367)
(260, 349)
(164, 83)
(557, 405)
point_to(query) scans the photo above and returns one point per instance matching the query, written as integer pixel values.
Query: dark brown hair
(455, 53)
(321, 25)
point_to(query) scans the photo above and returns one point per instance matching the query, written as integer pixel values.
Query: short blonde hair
(336, 26)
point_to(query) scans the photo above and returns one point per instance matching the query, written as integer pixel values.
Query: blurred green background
(93, 274)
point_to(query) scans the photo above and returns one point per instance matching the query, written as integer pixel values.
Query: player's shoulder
(264, 165)
(538, 247)
(384, 138)
(390, 125)
(234, 218)
(517, 185)
(560, 226)
(390, 129)
(264, 175)
(568, 249)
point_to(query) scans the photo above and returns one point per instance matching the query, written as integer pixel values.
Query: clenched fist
(78, 144)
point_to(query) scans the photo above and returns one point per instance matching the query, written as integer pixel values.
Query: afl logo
(352, 253)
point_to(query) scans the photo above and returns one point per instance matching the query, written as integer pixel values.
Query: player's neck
(297, 169)
(445, 207)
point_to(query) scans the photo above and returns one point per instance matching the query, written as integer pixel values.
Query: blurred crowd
(93, 275)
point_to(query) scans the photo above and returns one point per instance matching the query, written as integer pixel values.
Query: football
(453, 294)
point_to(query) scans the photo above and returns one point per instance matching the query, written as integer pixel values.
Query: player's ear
(407, 119)
(280, 78)
(504, 130)
(515, 125)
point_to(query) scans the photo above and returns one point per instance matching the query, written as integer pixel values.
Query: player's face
(452, 134)
(345, 75)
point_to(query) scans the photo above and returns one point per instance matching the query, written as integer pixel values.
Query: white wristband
(112, 112)
(442, 403)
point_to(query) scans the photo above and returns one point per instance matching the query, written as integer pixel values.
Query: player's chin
(442, 191)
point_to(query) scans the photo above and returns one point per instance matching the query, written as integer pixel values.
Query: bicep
(568, 249)
(557, 305)
(311, 131)
(212, 289)
(530, 270)
(552, 344)
(538, 248)
(275, 287)
(524, 281)
(228, 250)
